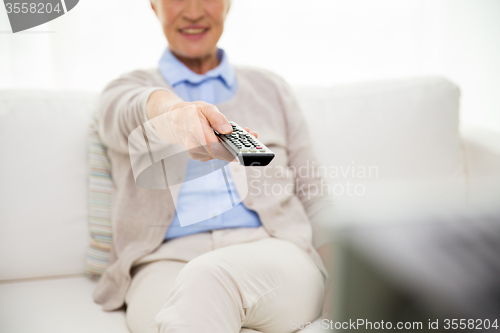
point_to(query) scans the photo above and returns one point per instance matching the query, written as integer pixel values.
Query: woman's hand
(190, 124)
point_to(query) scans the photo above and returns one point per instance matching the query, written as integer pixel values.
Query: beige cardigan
(141, 217)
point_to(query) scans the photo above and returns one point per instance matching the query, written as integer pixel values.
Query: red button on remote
(258, 147)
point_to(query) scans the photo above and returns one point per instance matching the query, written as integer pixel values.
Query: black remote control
(245, 147)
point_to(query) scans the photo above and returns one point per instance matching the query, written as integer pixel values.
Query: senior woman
(254, 267)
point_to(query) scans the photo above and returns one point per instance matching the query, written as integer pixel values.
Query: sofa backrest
(391, 148)
(406, 128)
(43, 203)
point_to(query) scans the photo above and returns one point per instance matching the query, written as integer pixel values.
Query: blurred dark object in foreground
(420, 272)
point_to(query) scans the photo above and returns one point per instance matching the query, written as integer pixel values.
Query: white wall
(320, 42)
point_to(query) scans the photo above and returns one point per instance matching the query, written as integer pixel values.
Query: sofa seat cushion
(57, 306)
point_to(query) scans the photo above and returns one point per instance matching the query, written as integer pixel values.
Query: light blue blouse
(205, 202)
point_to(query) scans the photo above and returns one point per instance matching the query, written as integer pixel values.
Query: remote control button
(258, 147)
(262, 150)
(253, 150)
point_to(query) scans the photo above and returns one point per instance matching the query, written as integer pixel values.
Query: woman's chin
(196, 51)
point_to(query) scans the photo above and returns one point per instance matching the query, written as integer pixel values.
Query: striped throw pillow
(100, 187)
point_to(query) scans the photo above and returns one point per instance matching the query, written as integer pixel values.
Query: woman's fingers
(253, 133)
(215, 118)
(193, 126)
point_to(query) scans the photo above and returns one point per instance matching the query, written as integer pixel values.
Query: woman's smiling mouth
(193, 31)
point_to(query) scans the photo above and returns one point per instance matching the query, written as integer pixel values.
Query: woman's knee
(207, 279)
(204, 268)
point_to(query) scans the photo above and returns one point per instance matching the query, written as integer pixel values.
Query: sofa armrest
(482, 151)
(482, 154)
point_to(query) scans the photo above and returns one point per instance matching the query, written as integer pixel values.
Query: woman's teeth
(193, 31)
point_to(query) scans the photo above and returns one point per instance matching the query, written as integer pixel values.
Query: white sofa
(407, 131)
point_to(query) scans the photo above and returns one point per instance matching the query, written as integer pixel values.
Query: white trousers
(255, 286)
